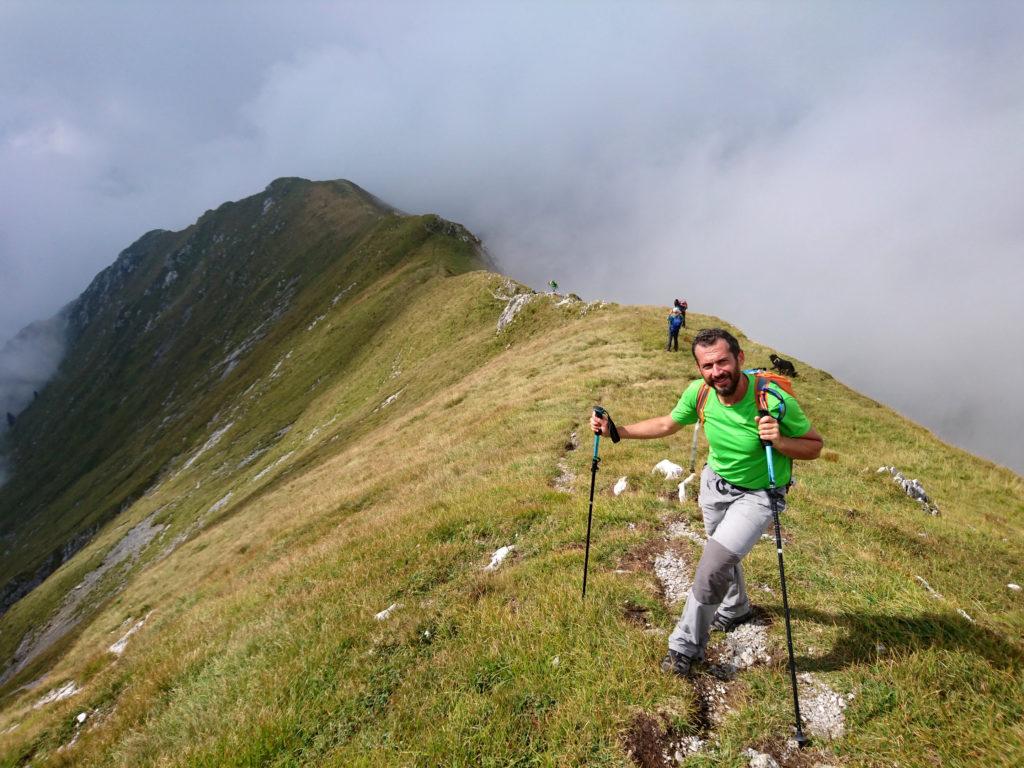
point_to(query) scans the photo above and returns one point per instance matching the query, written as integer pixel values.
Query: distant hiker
(733, 495)
(675, 322)
(553, 286)
(682, 306)
(782, 365)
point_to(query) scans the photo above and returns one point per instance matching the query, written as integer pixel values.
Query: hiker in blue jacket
(675, 322)
(681, 304)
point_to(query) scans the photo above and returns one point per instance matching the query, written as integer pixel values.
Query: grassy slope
(91, 443)
(378, 259)
(262, 648)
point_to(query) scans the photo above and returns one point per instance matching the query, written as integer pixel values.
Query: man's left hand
(768, 429)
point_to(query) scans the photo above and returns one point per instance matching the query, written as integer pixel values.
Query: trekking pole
(801, 740)
(600, 413)
(693, 463)
(693, 449)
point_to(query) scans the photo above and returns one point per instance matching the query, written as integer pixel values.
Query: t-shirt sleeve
(795, 422)
(685, 411)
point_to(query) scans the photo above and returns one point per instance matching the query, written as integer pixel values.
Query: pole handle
(601, 413)
(761, 413)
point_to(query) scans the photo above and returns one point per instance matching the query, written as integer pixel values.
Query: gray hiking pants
(734, 520)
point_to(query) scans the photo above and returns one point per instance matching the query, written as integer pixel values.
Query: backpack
(765, 383)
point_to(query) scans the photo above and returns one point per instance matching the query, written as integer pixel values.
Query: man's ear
(740, 358)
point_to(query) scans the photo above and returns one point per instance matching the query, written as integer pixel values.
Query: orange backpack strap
(702, 399)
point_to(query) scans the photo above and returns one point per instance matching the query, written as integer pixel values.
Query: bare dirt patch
(712, 702)
(563, 482)
(636, 614)
(641, 558)
(653, 740)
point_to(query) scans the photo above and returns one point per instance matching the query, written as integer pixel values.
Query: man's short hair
(711, 336)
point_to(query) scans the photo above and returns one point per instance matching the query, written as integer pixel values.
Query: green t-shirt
(735, 450)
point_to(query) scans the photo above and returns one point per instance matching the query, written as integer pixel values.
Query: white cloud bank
(836, 179)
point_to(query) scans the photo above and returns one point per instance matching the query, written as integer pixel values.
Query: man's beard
(729, 388)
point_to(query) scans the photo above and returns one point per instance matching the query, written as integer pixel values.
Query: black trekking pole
(801, 740)
(600, 413)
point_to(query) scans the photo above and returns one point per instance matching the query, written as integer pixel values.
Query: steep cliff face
(166, 335)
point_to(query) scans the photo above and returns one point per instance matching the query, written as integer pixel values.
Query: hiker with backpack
(675, 322)
(681, 305)
(735, 483)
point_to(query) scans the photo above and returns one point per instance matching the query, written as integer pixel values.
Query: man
(734, 483)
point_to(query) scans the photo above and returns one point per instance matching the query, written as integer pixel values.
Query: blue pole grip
(597, 442)
(771, 467)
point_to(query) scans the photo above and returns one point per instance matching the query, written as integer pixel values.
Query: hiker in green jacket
(734, 484)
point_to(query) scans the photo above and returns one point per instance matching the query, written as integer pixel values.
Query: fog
(27, 361)
(840, 180)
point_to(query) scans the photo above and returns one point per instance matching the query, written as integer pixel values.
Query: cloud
(27, 361)
(837, 180)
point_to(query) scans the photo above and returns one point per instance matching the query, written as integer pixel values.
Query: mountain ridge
(298, 571)
(153, 305)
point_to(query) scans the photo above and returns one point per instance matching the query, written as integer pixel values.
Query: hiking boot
(676, 663)
(722, 624)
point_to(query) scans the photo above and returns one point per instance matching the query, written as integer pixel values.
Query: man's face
(720, 368)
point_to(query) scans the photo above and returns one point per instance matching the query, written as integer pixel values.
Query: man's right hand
(599, 424)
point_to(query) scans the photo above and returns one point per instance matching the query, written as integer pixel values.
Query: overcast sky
(841, 180)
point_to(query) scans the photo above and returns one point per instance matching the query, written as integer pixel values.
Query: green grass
(262, 648)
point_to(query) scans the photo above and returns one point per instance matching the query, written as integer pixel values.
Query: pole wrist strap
(612, 430)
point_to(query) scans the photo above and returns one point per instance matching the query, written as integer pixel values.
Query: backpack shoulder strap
(702, 399)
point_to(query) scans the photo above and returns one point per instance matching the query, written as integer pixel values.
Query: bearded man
(734, 486)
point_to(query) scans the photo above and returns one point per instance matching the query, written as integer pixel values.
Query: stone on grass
(621, 486)
(58, 694)
(745, 646)
(668, 469)
(386, 613)
(514, 307)
(118, 648)
(499, 557)
(912, 488)
(760, 759)
(673, 573)
(822, 708)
